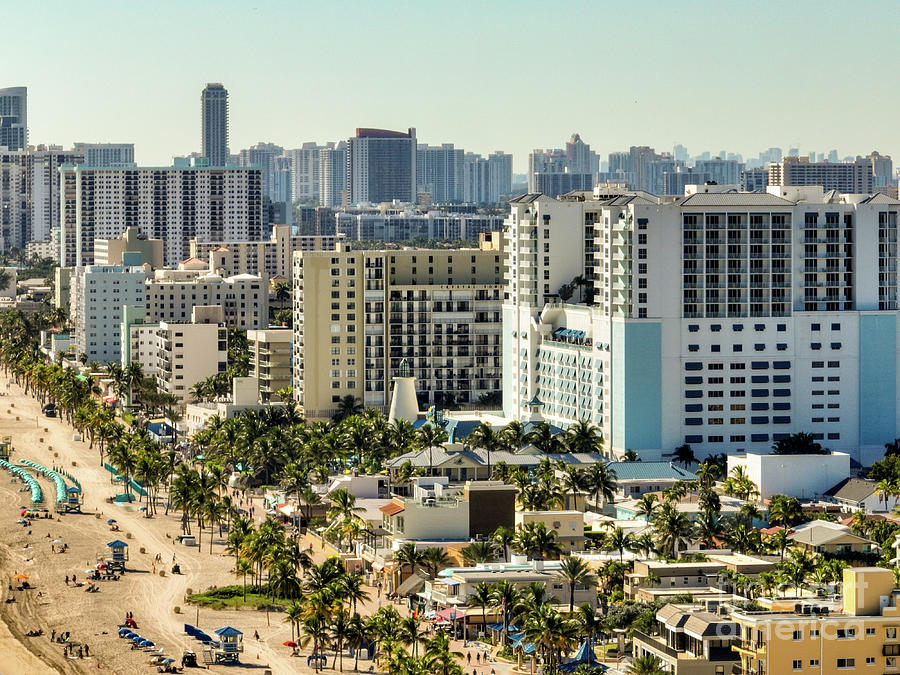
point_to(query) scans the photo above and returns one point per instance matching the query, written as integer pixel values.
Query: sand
(93, 618)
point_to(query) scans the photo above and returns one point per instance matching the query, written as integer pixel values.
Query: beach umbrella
(289, 643)
(89, 571)
(20, 521)
(136, 639)
(168, 660)
(20, 576)
(148, 643)
(58, 541)
(143, 508)
(129, 634)
(102, 566)
(111, 520)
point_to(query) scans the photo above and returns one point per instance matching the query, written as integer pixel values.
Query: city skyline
(447, 92)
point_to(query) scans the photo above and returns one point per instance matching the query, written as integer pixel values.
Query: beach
(93, 618)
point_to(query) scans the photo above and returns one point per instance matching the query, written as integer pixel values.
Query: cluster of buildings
(721, 319)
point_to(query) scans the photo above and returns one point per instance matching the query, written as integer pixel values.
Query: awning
(392, 509)
(377, 567)
(445, 614)
(451, 582)
(286, 509)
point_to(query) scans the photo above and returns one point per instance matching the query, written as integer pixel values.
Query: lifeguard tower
(119, 555)
(228, 647)
(5, 448)
(73, 499)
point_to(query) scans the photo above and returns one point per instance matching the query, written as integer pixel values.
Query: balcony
(655, 644)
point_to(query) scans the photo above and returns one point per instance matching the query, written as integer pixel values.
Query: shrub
(177, 609)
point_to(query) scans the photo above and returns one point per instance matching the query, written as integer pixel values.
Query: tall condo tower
(214, 102)
(14, 118)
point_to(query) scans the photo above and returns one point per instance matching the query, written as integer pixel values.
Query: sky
(498, 75)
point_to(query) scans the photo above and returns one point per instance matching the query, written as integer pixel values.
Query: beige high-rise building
(187, 353)
(270, 360)
(358, 314)
(271, 257)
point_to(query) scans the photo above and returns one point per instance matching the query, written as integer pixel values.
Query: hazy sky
(483, 75)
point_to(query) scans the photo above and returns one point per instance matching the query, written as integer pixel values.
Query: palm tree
(409, 633)
(514, 436)
(435, 559)
(340, 631)
(293, 614)
(479, 552)
(672, 526)
(315, 630)
(407, 554)
(601, 483)
(573, 480)
(348, 406)
(343, 508)
(429, 437)
(535, 539)
(617, 540)
(504, 538)
(583, 437)
(503, 597)
(547, 629)
(484, 436)
(282, 293)
(645, 544)
(481, 595)
(545, 439)
(683, 455)
(357, 636)
(243, 567)
(784, 511)
(351, 589)
(708, 527)
(575, 572)
(647, 506)
(646, 665)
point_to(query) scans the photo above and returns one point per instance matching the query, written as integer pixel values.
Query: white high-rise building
(305, 172)
(43, 180)
(723, 320)
(332, 174)
(14, 203)
(263, 155)
(106, 154)
(175, 204)
(98, 294)
(440, 172)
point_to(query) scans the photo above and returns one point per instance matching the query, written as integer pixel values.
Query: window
(846, 634)
(816, 346)
(693, 328)
(890, 633)
(814, 663)
(737, 348)
(738, 327)
(782, 327)
(834, 364)
(815, 326)
(715, 348)
(835, 326)
(814, 633)
(715, 328)
(846, 663)
(798, 663)
(870, 631)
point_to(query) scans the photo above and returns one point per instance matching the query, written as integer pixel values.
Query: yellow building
(359, 313)
(859, 635)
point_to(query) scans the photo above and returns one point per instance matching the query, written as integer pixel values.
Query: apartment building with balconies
(176, 204)
(173, 294)
(723, 320)
(270, 360)
(187, 353)
(359, 313)
(858, 634)
(272, 257)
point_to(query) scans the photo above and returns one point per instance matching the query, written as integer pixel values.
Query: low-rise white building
(801, 476)
(243, 397)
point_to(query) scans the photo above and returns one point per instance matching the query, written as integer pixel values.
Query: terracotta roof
(392, 509)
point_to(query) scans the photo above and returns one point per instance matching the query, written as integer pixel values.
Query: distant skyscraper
(306, 172)
(439, 171)
(263, 155)
(581, 158)
(722, 171)
(680, 153)
(882, 169)
(381, 166)
(214, 102)
(846, 177)
(332, 174)
(106, 154)
(14, 118)
(500, 169)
